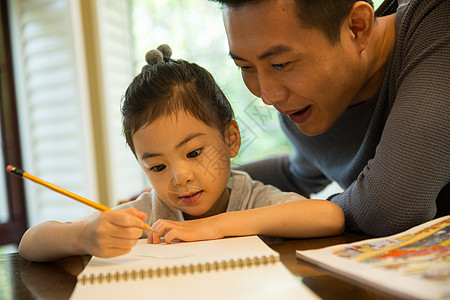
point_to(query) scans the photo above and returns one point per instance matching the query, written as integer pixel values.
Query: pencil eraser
(9, 168)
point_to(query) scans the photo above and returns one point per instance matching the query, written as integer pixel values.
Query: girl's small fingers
(135, 212)
(115, 244)
(124, 244)
(124, 218)
(157, 226)
(156, 237)
(150, 238)
(126, 232)
(150, 235)
(170, 236)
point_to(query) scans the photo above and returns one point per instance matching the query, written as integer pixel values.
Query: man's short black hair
(325, 15)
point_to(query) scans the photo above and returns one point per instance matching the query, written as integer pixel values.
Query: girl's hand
(192, 230)
(113, 232)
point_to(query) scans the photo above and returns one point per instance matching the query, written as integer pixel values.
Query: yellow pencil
(21, 173)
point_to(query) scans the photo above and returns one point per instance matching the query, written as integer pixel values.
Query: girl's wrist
(220, 225)
(79, 240)
(229, 224)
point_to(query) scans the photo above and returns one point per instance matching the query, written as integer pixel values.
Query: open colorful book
(231, 268)
(411, 264)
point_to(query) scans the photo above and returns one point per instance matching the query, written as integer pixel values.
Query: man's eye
(244, 68)
(158, 168)
(279, 66)
(195, 153)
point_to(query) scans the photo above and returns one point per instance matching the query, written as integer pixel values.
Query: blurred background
(65, 65)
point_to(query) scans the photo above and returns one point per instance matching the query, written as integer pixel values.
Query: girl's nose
(183, 177)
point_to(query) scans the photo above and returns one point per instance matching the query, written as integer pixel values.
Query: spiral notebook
(231, 268)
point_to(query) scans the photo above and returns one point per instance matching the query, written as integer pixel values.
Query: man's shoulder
(418, 9)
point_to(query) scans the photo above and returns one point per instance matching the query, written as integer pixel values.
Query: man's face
(292, 67)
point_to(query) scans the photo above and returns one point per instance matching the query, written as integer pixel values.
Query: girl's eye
(158, 168)
(195, 153)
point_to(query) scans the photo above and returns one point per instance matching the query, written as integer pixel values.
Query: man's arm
(398, 188)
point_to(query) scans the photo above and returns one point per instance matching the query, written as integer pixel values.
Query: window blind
(53, 107)
(58, 108)
(115, 58)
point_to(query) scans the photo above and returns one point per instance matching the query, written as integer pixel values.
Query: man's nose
(271, 89)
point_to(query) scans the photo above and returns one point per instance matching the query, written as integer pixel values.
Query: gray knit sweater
(391, 154)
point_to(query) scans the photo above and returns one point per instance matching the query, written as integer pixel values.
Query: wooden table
(21, 279)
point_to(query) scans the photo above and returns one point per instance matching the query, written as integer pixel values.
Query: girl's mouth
(191, 198)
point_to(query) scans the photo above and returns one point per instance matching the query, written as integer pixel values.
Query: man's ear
(233, 138)
(360, 22)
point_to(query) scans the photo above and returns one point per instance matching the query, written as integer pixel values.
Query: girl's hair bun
(166, 51)
(154, 57)
(162, 53)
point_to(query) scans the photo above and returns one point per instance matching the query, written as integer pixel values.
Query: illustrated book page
(411, 264)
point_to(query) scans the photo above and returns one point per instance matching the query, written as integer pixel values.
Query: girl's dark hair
(169, 86)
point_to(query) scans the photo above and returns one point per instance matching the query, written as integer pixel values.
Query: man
(365, 102)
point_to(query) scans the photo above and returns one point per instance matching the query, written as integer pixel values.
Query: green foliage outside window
(195, 32)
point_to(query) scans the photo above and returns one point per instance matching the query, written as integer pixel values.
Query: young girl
(180, 127)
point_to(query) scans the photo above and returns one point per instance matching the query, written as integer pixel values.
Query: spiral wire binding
(154, 273)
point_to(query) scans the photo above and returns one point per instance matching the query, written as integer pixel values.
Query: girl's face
(186, 161)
